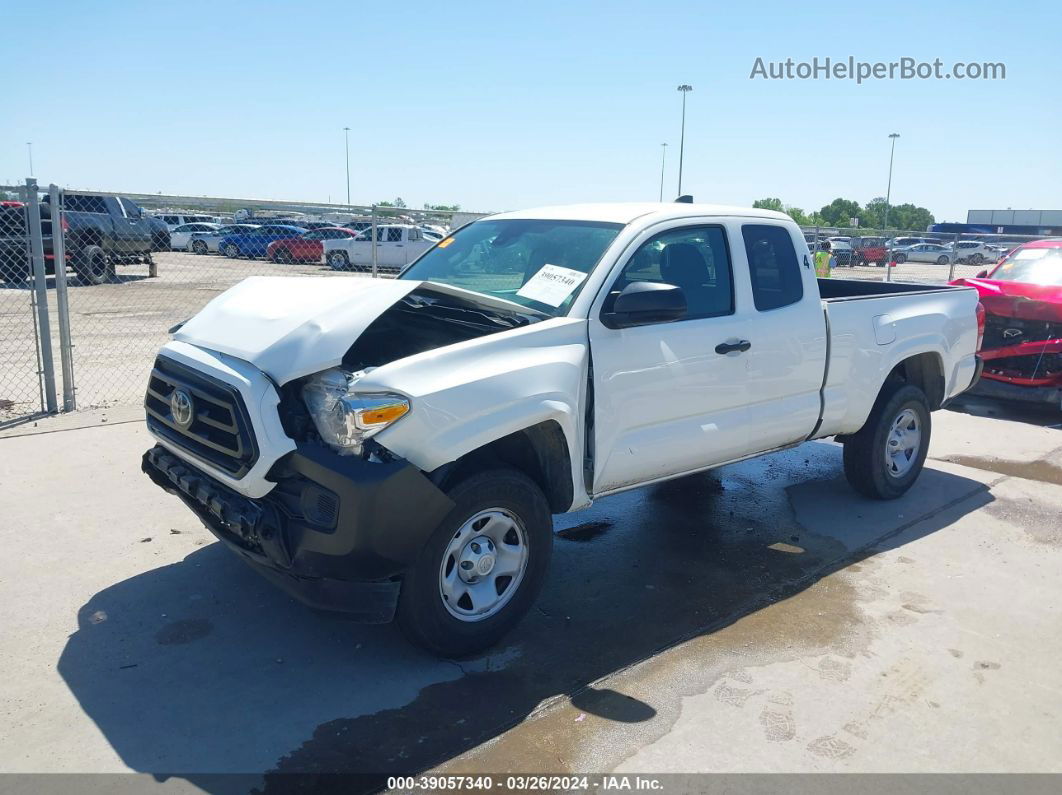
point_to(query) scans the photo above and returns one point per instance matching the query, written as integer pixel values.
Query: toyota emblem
(182, 409)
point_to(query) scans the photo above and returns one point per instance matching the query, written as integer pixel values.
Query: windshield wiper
(463, 314)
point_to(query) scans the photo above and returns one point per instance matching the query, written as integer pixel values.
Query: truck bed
(852, 289)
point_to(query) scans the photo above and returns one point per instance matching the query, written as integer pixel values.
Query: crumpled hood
(1018, 299)
(292, 326)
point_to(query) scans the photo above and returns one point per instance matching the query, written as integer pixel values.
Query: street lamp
(29, 149)
(888, 190)
(685, 89)
(346, 144)
(663, 159)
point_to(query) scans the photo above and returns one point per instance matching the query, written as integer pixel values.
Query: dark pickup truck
(100, 232)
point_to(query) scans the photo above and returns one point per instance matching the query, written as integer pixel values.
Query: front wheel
(231, 251)
(942, 260)
(199, 247)
(482, 568)
(338, 260)
(900, 259)
(884, 458)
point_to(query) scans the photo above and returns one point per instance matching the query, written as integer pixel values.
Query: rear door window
(773, 266)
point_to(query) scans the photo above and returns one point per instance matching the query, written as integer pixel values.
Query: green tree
(909, 217)
(450, 208)
(873, 216)
(768, 204)
(396, 203)
(839, 212)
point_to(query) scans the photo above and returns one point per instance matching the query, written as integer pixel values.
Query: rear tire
(942, 260)
(451, 626)
(199, 247)
(93, 267)
(900, 259)
(884, 458)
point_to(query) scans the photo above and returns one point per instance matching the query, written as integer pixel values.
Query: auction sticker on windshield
(551, 285)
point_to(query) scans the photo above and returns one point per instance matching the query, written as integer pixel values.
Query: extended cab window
(693, 258)
(394, 235)
(773, 266)
(84, 204)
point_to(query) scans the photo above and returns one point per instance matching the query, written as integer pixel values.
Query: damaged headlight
(345, 418)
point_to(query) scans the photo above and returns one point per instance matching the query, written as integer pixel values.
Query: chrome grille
(219, 432)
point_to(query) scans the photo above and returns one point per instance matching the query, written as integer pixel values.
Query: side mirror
(981, 274)
(644, 303)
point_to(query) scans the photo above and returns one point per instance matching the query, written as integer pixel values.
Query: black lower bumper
(335, 532)
(990, 387)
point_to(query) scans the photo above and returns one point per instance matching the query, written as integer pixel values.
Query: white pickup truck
(396, 246)
(397, 447)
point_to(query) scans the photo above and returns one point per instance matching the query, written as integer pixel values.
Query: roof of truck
(625, 212)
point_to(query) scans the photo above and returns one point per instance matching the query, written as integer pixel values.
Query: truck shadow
(1044, 415)
(199, 668)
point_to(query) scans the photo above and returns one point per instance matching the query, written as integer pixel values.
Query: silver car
(207, 242)
(923, 252)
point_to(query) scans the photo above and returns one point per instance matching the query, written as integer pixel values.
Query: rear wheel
(884, 458)
(482, 568)
(338, 260)
(942, 260)
(93, 267)
(900, 258)
(977, 258)
(199, 247)
(282, 256)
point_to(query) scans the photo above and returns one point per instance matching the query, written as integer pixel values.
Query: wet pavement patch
(1041, 470)
(185, 631)
(585, 531)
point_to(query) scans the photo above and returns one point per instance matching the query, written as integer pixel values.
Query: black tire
(338, 261)
(864, 451)
(942, 260)
(199, 247)
(900, 258)
(422, 614)
(231, 251)
(977, 259)
(282, 257)
(93, 267)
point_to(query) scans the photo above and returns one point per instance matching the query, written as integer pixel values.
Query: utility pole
(346, 144)
(888, 190)
(684, 89)
(29, 149)
(663, 159)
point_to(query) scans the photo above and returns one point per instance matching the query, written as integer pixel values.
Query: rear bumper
(989, 387)
(336, 533)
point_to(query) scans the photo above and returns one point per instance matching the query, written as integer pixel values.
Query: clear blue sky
(500, 106)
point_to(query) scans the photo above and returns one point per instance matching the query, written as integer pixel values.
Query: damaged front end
(1022, 349)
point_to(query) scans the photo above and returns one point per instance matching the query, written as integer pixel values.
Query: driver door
(665, 401)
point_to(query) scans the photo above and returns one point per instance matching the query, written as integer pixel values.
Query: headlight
(346, 418)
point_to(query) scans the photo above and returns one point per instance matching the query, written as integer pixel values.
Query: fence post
(888, 257)
(40, 289)
(953, 257)
(62, 303)
(374, 269)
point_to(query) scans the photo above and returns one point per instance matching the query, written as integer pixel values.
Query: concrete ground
(758, 618)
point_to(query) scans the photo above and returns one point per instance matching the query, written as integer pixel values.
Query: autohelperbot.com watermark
(905, 68)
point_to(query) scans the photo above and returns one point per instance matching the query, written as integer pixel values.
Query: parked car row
(339, 247)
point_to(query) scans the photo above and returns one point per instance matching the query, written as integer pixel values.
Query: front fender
(468, 395)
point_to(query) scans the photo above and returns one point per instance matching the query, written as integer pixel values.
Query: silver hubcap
(903, 443)
(483, 565)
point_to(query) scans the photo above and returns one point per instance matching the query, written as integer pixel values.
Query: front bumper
(336, 532)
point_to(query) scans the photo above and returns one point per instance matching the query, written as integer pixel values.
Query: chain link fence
(910, 255)
(137, 265)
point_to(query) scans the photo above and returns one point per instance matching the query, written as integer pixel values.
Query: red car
(1022, 347)
(307, 247)
(870, 250)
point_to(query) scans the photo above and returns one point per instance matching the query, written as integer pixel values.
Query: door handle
(731, 347)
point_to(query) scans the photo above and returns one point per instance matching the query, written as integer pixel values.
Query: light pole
(663, 159)
(346, 146)
(685, 89)
(29, 149)
(888, 190)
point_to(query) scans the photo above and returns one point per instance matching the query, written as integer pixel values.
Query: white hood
(289, 327)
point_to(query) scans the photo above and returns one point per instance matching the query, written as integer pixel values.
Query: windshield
(538, 264)
(1032, 266)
